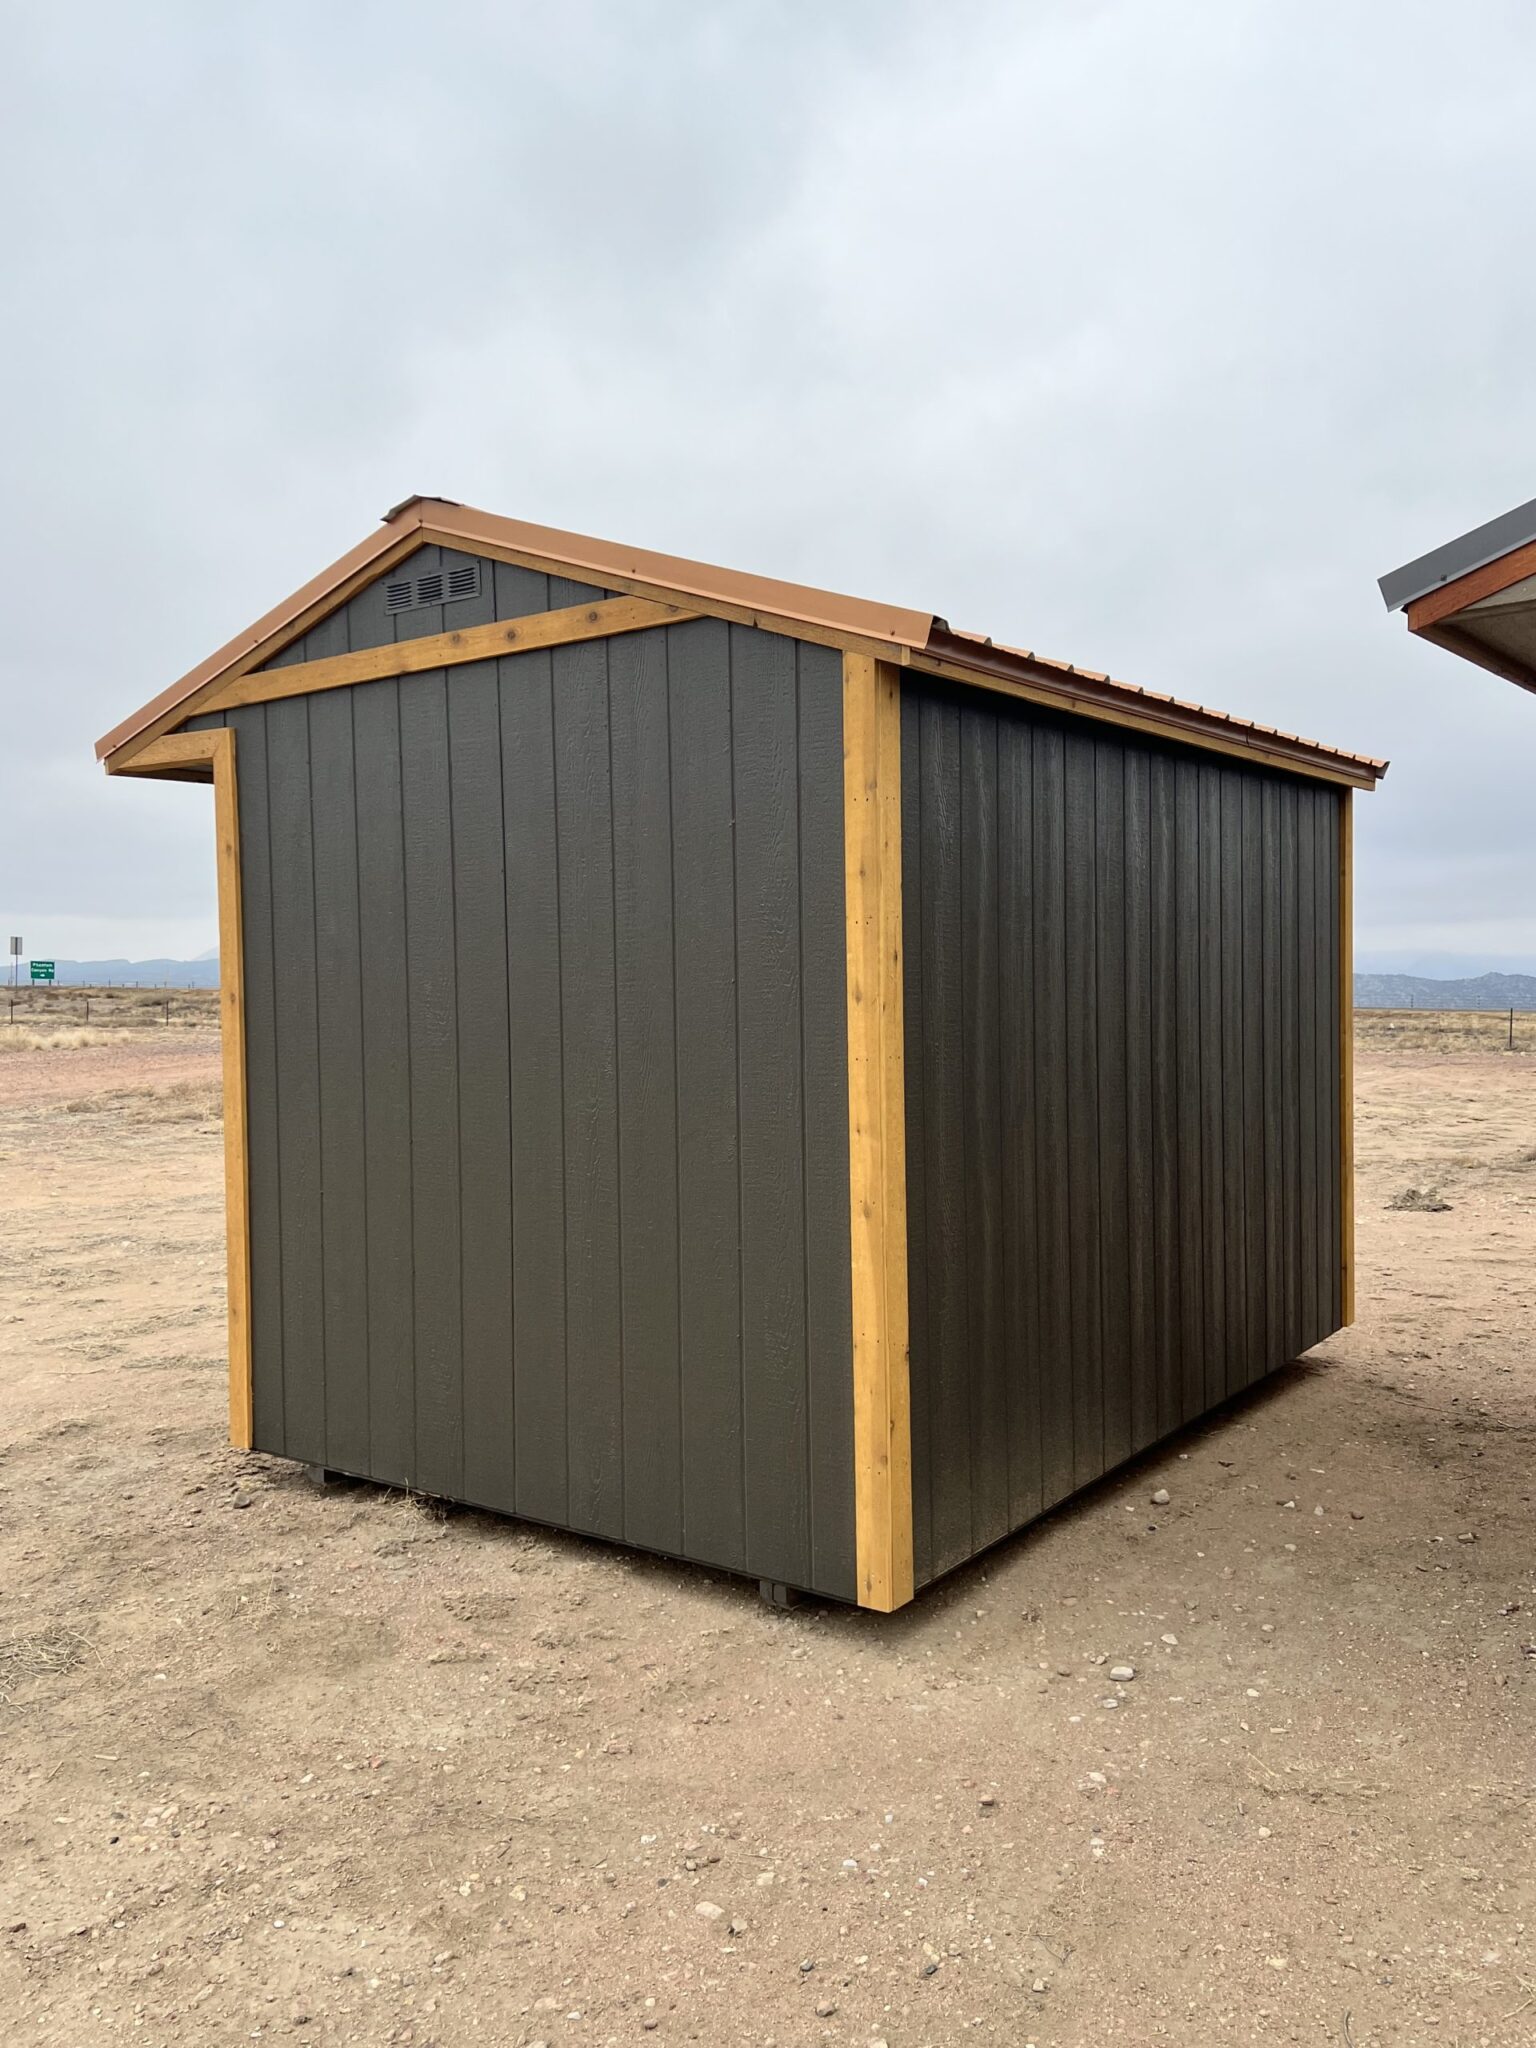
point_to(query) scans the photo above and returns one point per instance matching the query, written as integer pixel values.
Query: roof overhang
(1476, 596)
(910, 638)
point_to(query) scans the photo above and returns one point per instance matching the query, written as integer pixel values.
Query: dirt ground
(344, 1768)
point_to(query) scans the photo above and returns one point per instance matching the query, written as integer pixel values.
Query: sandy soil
(342, 1768)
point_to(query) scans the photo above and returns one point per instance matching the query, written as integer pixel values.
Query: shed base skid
(776, 1594)
(324, 1480)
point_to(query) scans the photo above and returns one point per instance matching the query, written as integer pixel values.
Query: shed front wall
(1122, 1088)
(547, 1082)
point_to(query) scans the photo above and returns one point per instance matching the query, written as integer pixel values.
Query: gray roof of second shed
(1459, 557)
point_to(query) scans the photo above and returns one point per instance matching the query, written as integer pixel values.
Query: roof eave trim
(1460, 557)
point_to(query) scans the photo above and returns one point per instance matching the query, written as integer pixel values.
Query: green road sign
(42, 970)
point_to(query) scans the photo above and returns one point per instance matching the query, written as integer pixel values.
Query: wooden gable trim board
(438, 651)
(270, 635)
(173, 756)
(877, 1132)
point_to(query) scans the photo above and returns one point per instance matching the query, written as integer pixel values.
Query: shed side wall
(1122, 1007)
(548, 1085)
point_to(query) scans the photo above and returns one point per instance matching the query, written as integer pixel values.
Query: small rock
(1161, 1498)
(1171, 1640)
(708, 1910)
(737, 1927)
(650, 2026)
(1109, 1703)
(825, 2010)
(807, 1966)
(1122, 1674)
(1039, 1986)
(1357, 1514)
(987, 1801)
(240, 1500)
(929, 1970)
(1467, 1536)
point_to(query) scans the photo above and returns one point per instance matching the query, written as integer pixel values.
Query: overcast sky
(1147, 336)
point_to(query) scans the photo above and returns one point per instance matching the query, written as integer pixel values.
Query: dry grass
(23, 1038)
(1443, 1031)
(179, 1102)
(50, 1653)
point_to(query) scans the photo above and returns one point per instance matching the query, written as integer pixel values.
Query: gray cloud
(1145, 336)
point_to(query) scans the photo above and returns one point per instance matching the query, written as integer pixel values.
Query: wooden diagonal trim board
(877, 1132)
(446, 650)
(182, 751)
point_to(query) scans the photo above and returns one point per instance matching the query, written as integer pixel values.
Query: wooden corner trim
(597, 621)
(877, 1132)
(1347, 1054)
(215, 751)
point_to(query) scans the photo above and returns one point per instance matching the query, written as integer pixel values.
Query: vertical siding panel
(595, 1374)
(529, 813)
(765, 754)
(343, 1154)
(647, 1067)
(1113, 1103)
(1052, 1137)
(981, 1093)
(1166, 1084)
(1215, 1332)
(517, 593)
(1291, 1086)
(1082, 1080)
(1255, 1161)
(1333, 997)
(1234, 1186)
(263, 1189)
(386, 1072)
(1307, 1188)
(1016, 1010)
(433, 1002)
(1276, 1291)
(914, 958)
(943, 1056)
(298, 1079)
(708, 1141)
(824, 1027)
(485, 1079)
(1140, 1192)
(564, 591)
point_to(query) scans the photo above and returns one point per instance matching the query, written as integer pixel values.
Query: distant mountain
(202, 973)
(1418, 992)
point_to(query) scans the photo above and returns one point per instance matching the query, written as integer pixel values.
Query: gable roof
(911, 638)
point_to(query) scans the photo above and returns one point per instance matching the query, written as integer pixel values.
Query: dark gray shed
(746, 1072)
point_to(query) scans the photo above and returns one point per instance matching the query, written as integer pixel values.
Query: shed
(748, 1072)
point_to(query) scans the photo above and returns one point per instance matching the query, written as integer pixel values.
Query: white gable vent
(432, 586)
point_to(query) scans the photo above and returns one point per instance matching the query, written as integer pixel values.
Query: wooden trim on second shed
(877, 1132)
(168, 757)
(446, 650)
(1347, 1055)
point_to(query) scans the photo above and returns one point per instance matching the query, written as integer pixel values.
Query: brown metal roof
(913, 637)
